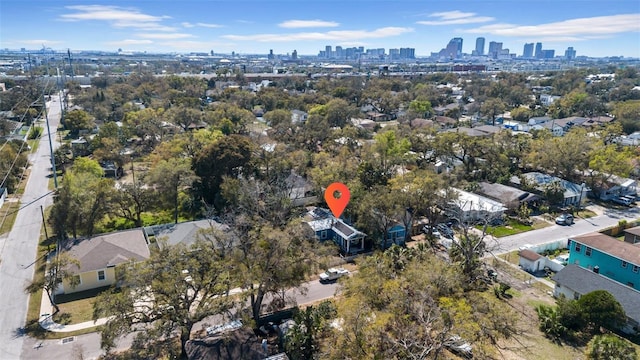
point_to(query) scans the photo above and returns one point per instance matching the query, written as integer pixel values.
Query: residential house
(597, 121)
(445, 122)
(298, 116)
(606, 255)
(376, 116)
(573, 193)
(79, 147)
(546, 99)
(574, 281)
(618, 186)
(421, 123)
(100, 255)
(3, 195)
(300, 190)
(395, 236)
(472, 207)
(364, 123)
(442, 110)
(510, 196)
(328, 227)
(182, 233)
(632, 235)
(538, 120)
(555, 129)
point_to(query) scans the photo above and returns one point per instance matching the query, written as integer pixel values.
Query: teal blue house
(607, 256)
(395, 235)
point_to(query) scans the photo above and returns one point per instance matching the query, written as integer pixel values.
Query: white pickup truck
(333, 274)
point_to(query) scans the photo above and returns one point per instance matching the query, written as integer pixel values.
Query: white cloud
(191, 25)
(164, 36)
(582, 28)
(191, 45)
(295, 24)
(209, 25)
(455, 18)
(126, 42)
(116, 16)
(338, 35)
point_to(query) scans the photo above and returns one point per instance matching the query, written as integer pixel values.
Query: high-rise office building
(495, 49)
(407, 53)
(339, 52)
(453, 49)
(570, 54)
(294, 55)
(328, 52)
(548, 54)
(528, 51)
(480, 46)
(538, 54)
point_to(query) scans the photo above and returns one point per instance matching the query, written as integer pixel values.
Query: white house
(474, 207)
(546, 99)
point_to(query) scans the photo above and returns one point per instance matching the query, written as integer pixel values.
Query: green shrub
(35, 132)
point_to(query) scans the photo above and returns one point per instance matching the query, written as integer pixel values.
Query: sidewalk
(47, 323)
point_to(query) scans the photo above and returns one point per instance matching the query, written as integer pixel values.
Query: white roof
(472, 202)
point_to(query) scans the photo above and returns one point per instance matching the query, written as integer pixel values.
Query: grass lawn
(8, 214)
(77, 307)
(512, 227)
(34, 144)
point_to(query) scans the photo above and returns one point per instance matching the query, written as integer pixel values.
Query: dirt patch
(526, 294)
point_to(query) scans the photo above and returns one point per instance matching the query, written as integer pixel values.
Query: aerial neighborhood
(189, 206)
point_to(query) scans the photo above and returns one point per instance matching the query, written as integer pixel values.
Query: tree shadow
(62, 318)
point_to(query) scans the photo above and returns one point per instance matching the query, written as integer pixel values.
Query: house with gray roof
(510, 196)
(574, 281)
(182, 233)
(573, 193)
(99, 256)
(328, 227)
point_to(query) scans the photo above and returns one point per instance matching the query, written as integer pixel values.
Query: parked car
(428, 229)
(622, 201)
(563, 259)
(445, 231)
(333, 274)
(564, 219)
(632, 199)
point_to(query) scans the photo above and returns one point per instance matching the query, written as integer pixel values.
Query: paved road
(609, 218)
(18, 250)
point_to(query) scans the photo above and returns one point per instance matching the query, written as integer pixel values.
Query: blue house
(607, 256)
(328, 227)
(395, 235)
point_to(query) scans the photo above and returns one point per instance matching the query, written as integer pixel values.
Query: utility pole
(53, 159)
(61, 94)
(44, 224)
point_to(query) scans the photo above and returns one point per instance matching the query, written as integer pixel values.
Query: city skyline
(591, 27)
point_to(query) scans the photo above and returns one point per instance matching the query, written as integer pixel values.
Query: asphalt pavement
(18, 250)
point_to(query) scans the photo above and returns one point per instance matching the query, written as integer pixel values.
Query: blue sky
(592, 27)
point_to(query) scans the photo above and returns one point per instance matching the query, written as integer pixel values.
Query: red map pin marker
(337, 204)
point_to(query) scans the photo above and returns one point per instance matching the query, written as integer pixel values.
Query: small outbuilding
(530, 261)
